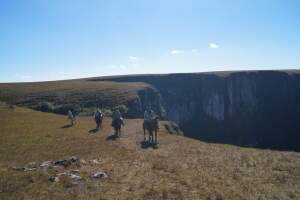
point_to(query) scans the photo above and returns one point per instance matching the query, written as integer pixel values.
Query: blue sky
(62, 39)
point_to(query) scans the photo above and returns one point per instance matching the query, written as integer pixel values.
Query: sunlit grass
(181, 168)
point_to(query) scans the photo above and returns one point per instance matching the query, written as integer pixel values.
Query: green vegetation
(122, 108)
(80, 95)
(181, 168)
(45, 107)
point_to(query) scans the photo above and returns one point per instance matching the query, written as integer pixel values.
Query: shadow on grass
(94, 130)
(147, 144)
(113, 136)
(67, 126)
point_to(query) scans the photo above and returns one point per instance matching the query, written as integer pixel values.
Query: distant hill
(246, 108)
(181, 168)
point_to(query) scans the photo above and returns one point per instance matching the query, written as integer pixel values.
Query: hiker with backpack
(98, 116)
(117, 122)
(71, 118)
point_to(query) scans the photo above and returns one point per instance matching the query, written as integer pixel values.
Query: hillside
(78, 93)
(181, 168)
(245, 108)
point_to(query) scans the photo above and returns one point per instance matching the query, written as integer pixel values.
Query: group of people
(151, 122)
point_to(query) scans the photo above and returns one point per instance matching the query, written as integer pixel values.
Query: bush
(173, 128)
(106, 112)
(45, 107)
(12, 107)
(122, 108)
(63, 109)
(87, 111)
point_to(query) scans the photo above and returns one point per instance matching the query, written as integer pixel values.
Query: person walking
(98, 116)
(71, 118)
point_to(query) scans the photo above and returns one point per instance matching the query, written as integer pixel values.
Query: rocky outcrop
(251, 108)
(148, 96)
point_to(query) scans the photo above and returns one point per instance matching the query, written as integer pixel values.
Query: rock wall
(148, 96)
(253, 108)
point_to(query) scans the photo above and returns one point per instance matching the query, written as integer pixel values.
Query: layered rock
(252, 108)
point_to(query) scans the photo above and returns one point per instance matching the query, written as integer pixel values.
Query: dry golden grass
(181, 168)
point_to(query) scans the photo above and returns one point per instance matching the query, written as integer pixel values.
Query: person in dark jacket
(98, 116)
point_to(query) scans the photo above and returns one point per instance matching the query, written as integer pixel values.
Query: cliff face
(251, 108)
(259, 108)
(147, 96)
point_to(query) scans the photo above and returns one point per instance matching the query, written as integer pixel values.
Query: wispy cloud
(213, 45)
(132, 58)
(24, 77)
(195, 51)
(176, 51)
(134, 61)
(118, 66)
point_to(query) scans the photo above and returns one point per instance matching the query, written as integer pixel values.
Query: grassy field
(79, 91)
(181, 168)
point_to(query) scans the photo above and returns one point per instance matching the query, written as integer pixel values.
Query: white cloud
(134, 61)
(132, 58)
(176, 51)
(213, 45)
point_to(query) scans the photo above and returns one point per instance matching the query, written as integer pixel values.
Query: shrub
(12, 107)
(45, 107)
(173, 128)
(122, 108)
(87, 111)
(106, 112)
(63, 109)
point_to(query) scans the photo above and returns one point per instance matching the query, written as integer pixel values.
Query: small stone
(75, 177)
(74, 159)
(67, 162)
(76, 171)
(82, 161)
(18, 168)
(26, 169)
(32, 165)
(62, 174)
(95, 161)
(53, 179)
(60, 162)
(99, 175)
(47, 164)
